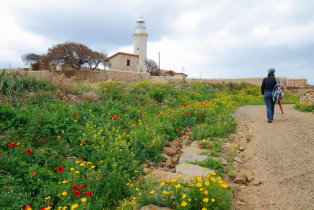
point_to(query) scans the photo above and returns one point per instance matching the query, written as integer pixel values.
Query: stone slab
(191, 169)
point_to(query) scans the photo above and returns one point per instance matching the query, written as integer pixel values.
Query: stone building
(132, 62)
(123, 62)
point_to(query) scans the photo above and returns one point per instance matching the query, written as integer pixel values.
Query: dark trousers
(270, 105)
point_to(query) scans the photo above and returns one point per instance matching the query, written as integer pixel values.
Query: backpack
(277, 93)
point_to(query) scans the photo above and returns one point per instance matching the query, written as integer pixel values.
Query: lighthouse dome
(140, 22)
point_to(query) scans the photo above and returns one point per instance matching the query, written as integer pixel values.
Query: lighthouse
(140, 44)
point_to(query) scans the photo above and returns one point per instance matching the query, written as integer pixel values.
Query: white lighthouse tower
(140, 44)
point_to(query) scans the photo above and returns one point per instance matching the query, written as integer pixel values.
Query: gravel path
(281, 154)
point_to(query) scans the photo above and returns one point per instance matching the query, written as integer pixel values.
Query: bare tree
(152, 67)
(96, 58)
(32, 58)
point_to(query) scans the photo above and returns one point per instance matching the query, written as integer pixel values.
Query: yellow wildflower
(64, 182)
(83, 200)
(213, 200)
(64, 193)
(184, 204)
(71, 169)
(74, 206)
(152, 192)
(47, 198)
(205, 200)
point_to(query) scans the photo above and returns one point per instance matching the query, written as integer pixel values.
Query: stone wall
(297, 83)
(307, 96)
(95, 76)
(255, 81)
(44, 74)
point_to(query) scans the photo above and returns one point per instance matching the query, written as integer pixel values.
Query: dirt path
(281, 155)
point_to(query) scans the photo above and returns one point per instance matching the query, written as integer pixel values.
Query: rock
(241, 149)
(192, 157)
(228, 145)
(240, 179)
(257, 182)
(191, 169)
(240, 203)
(223, 161)
(168, 163)
(169, 151)
(153, 207)
(271, 202)
(238, 160)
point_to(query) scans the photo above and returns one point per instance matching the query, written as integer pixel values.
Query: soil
(280, 155)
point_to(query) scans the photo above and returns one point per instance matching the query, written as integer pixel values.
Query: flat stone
(153, 207)
(241, 149)
(191, 169)
(238, 160)
(192, 157)
(194, 149)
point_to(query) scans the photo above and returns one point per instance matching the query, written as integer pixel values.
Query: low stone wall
(307, 96)
(296, 83)
(43, 74)
(22, 71)
(255, 81)
(95, 76)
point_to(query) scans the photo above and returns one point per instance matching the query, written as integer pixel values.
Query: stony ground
(280, 155)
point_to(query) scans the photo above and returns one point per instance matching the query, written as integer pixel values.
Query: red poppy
(174, 116)
(140, 113)
(207, 147)
(135, 123)
(27, 207)
(74, 113)
(43, 208)
(159, 112)
(29, 151)
(50, 204)
(77, 193)
(39, 121)
(81, 159)
(187, 112)
(60, 169)
(201, 143)
(83, 142)
(184, 105)
(82, 187)
(219, 112)
(152, 132)
(117, 115)
(201, 114)
(116, 96)
(177, 129)
(101, 176)
(126, 131)
(90, 193)
(113, 117)
(123, 107)
(34, 173)
(11, 144)
(140, 179)
(74, 187)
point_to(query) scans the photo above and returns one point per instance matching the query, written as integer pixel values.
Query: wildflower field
(88, 155)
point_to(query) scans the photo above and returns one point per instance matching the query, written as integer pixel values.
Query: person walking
(267, 89)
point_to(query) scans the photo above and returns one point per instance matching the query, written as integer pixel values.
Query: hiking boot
(270, 121)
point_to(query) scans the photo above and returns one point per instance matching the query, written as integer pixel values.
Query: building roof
(123, 53)
(173, 72)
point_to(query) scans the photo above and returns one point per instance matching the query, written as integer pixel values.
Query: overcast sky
(208, 38)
